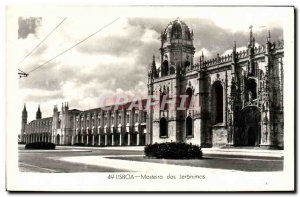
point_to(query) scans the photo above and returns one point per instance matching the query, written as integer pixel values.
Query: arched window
(57, 139)
(163, 127)
(189, 126)
(189, 93)
(163, 106)
(217, 102)
(165, 68)
(252, 89)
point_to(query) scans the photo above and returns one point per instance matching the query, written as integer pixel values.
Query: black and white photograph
(150, 98)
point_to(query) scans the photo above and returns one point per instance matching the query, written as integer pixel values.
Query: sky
(116, 59)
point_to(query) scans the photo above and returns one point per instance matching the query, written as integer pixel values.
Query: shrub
(40, 145)
(173, 150)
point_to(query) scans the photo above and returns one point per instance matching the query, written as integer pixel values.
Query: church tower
(24, 122)
(177, 47)
(174, 77)
(38, 113)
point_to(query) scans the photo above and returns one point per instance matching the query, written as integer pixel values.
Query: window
(189, 93)
(217, 102)
(136, 117)
(127, 118)
(163, 127)
(189, 126)
(120, 119)
(165, 68)
(144, 116)
(163, 97)
(252, 89)
(112, 120)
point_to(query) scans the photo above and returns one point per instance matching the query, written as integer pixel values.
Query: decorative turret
(64, 107)
(268, 42)
(201, 61)
(153, 69)
(38, 113)
(55, 109)
(251, 46)
(24, 122)
(24, 112)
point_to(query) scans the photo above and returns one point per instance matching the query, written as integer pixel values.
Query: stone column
(105, 140)
(120, 143)
(81, 139)
(72, 141)
(99, 140)
(93, 143)
(112, 139)
(87, 139)
(128, 140)
(137, 139)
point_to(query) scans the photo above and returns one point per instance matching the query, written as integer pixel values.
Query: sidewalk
(243, 152)
(210, 151)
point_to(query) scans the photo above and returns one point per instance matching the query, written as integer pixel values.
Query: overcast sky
(116, 60)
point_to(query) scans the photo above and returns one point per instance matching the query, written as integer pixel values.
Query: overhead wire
(73, 46)
(42, 41)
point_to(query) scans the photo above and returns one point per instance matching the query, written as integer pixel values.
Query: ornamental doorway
(248, 128)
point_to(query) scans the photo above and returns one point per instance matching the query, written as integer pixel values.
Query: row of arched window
(86, 122)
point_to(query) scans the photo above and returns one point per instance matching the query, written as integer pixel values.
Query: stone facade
(95, 127)
(238, 97)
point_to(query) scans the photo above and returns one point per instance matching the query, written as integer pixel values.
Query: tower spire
(24, 108)
(39, 113)
(153, 69)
